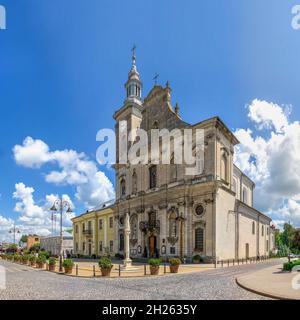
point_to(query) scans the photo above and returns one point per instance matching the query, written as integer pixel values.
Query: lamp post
(59, 206)
(14, 230)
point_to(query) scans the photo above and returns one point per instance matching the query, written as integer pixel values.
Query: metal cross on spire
(155, 78)
(133, 54)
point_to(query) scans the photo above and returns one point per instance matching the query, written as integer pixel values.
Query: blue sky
(63, 65)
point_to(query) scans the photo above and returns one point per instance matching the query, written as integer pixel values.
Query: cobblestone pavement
(27, 283)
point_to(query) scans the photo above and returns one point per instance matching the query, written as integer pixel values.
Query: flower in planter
(154, 266)
(105, 265)
(174, 264)
(68, 264)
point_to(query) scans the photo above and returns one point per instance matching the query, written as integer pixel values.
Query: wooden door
(151, 246)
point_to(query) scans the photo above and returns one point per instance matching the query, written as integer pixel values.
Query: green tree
(287, 234)
(24, 238)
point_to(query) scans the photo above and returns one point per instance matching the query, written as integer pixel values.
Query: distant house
(52, 244)
(32, 240)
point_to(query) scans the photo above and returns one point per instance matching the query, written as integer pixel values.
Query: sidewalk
(271, 282)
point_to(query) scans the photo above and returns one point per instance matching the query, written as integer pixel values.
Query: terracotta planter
(51, 267)
(32, 263)
(105, 272)
(40, 265)
(174, 269)
(154, 270)
(68, 270)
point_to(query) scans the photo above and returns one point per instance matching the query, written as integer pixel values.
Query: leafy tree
(24, 238)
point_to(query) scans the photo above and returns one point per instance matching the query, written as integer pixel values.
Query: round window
(199, 210)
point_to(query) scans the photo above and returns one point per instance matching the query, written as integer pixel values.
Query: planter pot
(51, 267)
(68, 270)
(105, 272)
(154, 270)
(174, 269)
(32, 263)
(196, 261)
(40, 265)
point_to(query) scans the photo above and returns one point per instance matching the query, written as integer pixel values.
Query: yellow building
(94, 233)
(32, 240)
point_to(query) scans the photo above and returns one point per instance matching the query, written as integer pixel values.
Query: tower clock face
(199, 210)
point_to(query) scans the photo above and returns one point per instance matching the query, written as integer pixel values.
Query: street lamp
(14, 230)
(59, 206)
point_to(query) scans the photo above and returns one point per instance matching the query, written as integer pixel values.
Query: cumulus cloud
(73, 168)
(269, 154)
(34, 218)
(6, 225)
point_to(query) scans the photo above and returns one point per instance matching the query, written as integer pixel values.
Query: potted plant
(15, 257)
(154, 266)
(32, 260)
(105, 265)
(25, 259)
(197, 258)
(40, 261)
(174, 265)
(68, 265)
(52, 263)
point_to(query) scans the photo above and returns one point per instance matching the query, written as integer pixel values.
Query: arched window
(133, 228)
(172, 225)
(153, 176)
(199, 239)
(121, 242)
(134, 183)
(245, 195)
(253, 227)
(123, 187)
(224, 174)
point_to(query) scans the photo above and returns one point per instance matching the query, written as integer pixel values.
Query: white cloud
(32, 154)
(37, 218)
(5, 226)
(272, 159)
(92, 185)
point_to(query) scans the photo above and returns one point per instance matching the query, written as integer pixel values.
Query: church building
(210, 214)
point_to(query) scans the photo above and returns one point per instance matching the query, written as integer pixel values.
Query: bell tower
(133, 85)
(130, 114)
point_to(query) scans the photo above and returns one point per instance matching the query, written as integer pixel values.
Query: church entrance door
(152, 246)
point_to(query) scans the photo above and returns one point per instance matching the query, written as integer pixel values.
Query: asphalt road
(27, 283)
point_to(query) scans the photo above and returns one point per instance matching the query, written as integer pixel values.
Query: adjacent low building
(52, 244)
(32, 239)
(94, 233)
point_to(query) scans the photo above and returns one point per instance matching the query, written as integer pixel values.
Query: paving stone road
(27, 283)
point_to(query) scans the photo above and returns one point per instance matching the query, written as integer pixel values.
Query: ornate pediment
(172, 240)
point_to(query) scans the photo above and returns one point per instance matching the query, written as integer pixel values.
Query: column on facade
(94, 224)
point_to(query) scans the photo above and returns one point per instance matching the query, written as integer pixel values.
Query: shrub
(16, 257)
(32, 258)
(52, 261)
(41, 259)
(25, 258)
(105, 263)
(154, 262)
(174, 261)
(288, 266)
(68, 263)
(197, 258)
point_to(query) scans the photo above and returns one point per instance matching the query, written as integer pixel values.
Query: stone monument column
(127, 261)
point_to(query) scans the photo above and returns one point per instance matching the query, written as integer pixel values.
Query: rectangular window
(76, 246)
(111, 222)
(76, 228)
(83, 246)
(199, 239)
(262, 230)
(83, 227)
(100, 224)
(100, 246)
(172, 250)
(111, 246)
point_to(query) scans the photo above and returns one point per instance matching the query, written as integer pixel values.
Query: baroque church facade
(210, 214)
